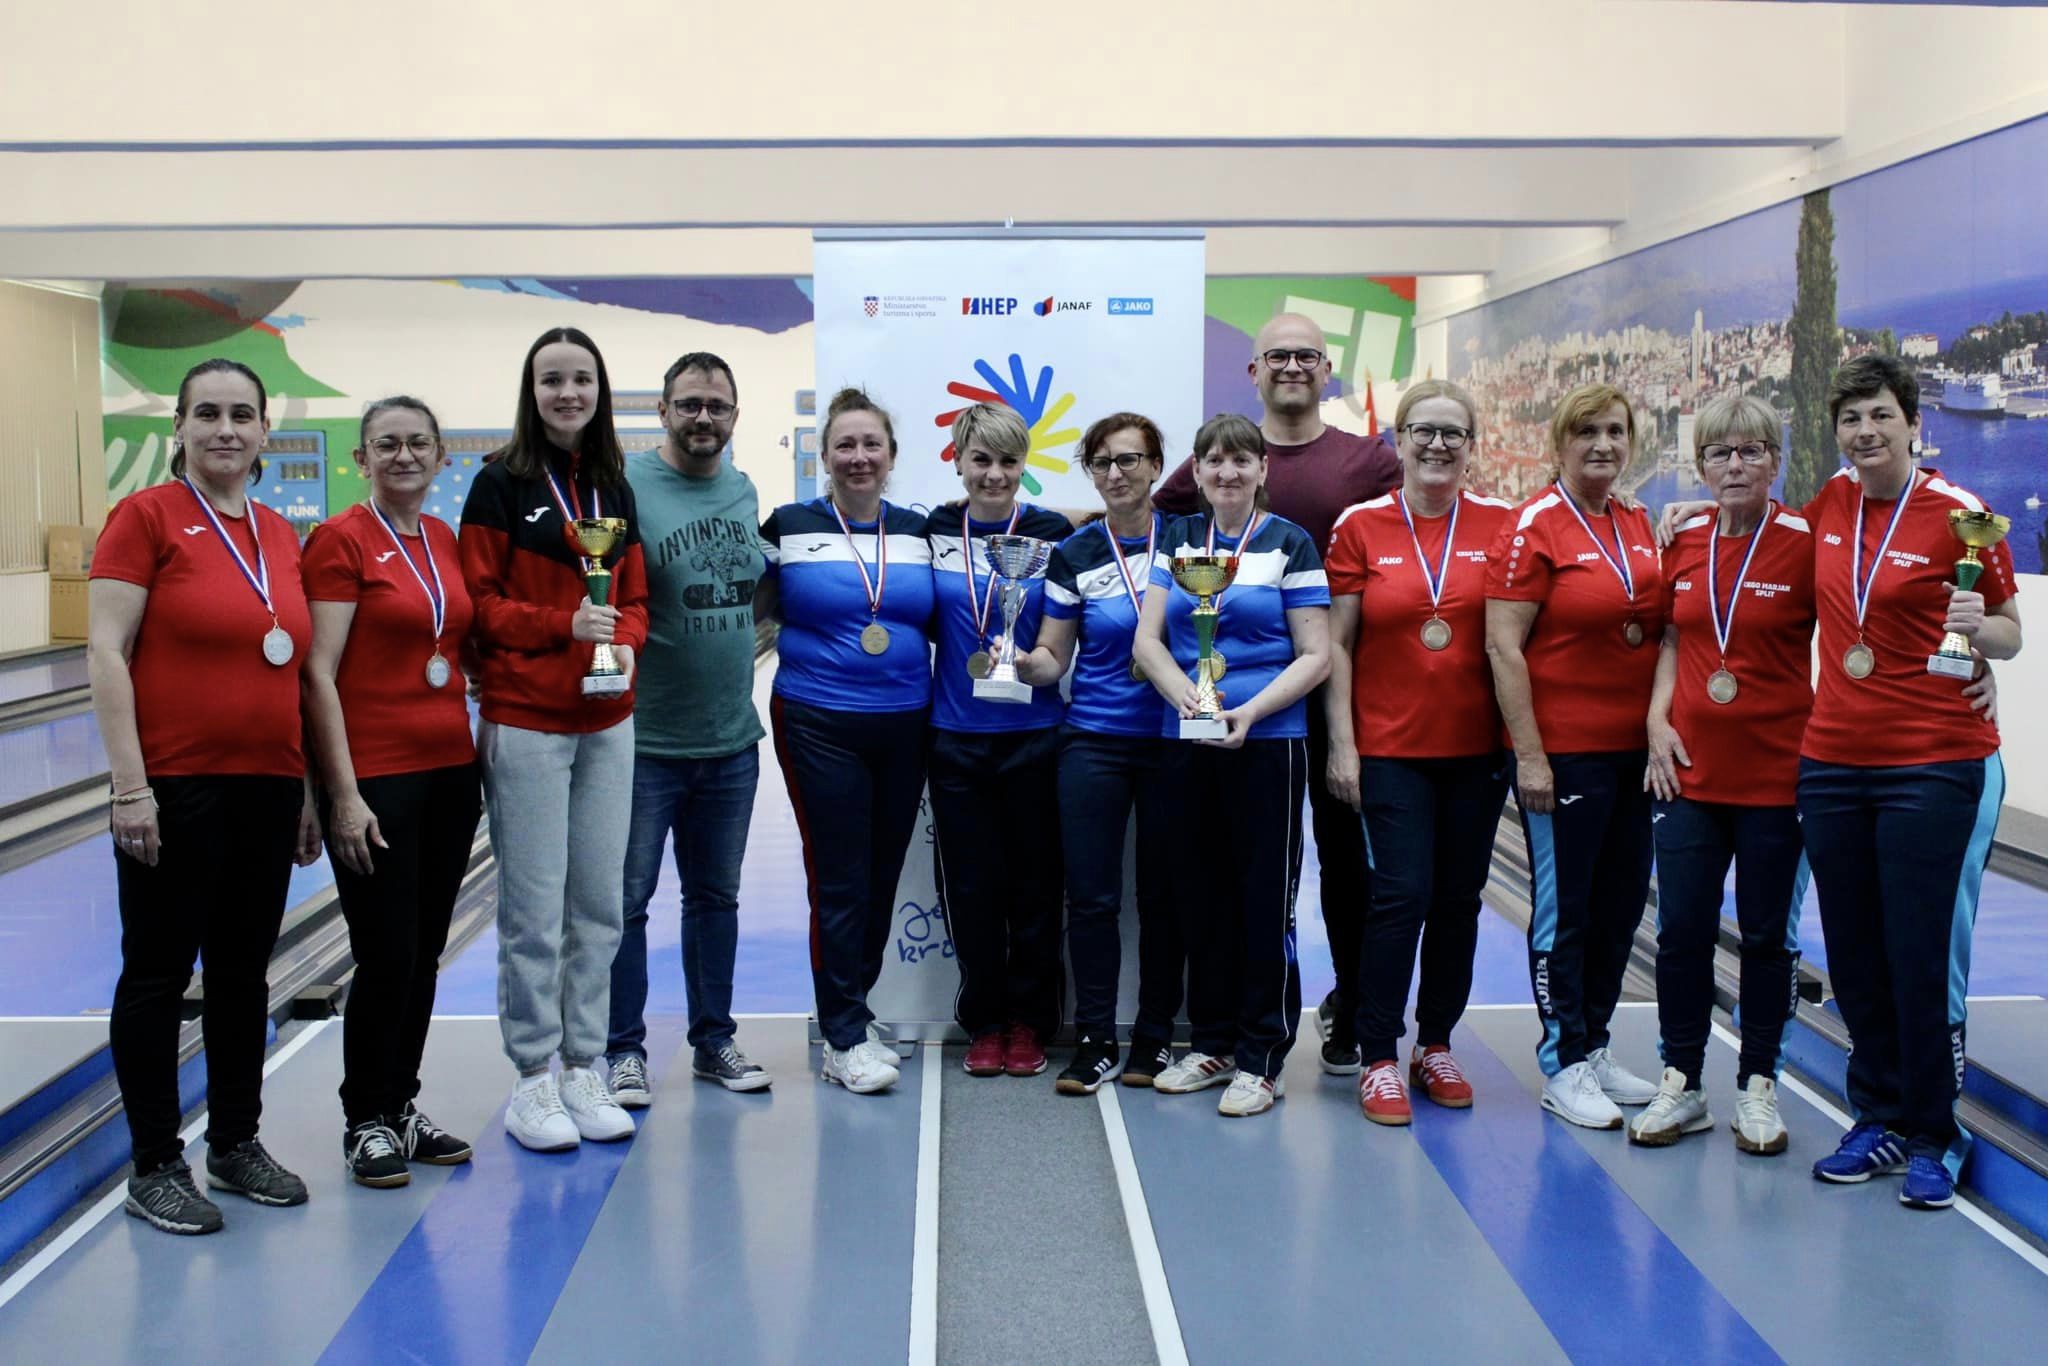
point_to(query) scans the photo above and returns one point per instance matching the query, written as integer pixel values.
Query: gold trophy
(1204, 576)
(1977, 531)
(596, 536)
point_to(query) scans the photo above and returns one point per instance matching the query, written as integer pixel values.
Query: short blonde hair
(995, 427)
(1436, 388)
(1582, 404)
(1732, 419)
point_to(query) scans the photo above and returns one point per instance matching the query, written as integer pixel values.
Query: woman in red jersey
(1415, 739)
(1574, 608)
(198, 628)
(398, 775)
(1732, 696)
(1900, 780)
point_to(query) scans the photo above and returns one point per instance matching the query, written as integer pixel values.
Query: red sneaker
(986, 1054)
(1025, 1057)
(1435, 1073)
(1382, 1096)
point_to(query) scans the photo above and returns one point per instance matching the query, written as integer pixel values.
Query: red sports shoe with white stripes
(988, 1053)
(1434, 1072)
(1382, 1096)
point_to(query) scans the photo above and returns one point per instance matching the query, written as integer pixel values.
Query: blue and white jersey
(1278, 570)
(825, 607)
(1084, 582)
(953, 704)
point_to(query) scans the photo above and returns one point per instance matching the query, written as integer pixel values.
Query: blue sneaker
(1867, 1150)
(1927, 1185)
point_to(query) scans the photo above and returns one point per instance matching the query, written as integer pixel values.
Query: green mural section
(1370, 320)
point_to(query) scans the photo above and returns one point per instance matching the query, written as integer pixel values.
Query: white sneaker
(865, 1068)
(1250, 1094)
(536, 1118)
(1674, 1113)
(589, 1102)
(628, 1083)
(1622, 1086)
(1575, 1095)
(1195, 1072)
(1756, 1124)
(885, 1035)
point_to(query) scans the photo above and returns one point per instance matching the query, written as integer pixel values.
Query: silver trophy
(1012, 559)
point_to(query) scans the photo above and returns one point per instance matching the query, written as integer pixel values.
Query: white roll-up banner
(1063, 328)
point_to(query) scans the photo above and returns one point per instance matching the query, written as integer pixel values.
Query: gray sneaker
(168, 1199)
(629, 1082)
(248, 1169)
(729, 1067)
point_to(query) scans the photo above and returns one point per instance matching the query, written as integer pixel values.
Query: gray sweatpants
(560, 809)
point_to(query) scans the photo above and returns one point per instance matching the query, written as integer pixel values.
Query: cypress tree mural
(1816, 350)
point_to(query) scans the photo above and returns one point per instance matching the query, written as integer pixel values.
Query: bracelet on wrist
(133, 795)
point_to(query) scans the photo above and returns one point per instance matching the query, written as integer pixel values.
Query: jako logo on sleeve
(986, 305)
(1130, 308)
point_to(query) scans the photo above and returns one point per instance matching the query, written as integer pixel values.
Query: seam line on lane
(113, 1199)
(1166, 1335)
(924, 1240)
(1967, 1207)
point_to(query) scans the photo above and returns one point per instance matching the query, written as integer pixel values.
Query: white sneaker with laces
(863, 1069)
(628, 1083)
(1250, 1094)
(1574, 1095)
(1674, 1113)
(1195, 1072)
(1756, 1124)
(536, 1118)
(1622, 1086)
(589, 1102)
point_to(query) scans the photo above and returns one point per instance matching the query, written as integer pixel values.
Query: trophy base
(1203, 728)
(1001, 690)
(604, 685)
(1952, 666)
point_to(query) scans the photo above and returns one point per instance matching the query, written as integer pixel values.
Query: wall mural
(326, 347)
(1938, 260)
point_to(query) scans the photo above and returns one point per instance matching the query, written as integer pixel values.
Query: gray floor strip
(1035, 1262)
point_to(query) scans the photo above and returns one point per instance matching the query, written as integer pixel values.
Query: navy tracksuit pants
(1344, 871)
(1590, 875)
(854, 782)
(1101, 779)
(1429, 830)
(1237, 826)
(1696, 842)
(1898, 857)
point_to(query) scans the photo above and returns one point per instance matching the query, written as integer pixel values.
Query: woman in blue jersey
(1237, 800)
(852, 579)
(1111, 758)
(992, 757)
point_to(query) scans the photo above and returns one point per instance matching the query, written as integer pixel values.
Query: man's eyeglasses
(1425, 435)
(420, 444)
(716, 408)
(1308, 360)
(1098, 465)
(1749, 453)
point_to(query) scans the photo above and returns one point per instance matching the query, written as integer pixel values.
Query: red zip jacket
(526, 580)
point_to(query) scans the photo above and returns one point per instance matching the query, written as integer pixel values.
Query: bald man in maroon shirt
(1314, 472)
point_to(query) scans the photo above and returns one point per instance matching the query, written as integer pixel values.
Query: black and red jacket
(525, 577)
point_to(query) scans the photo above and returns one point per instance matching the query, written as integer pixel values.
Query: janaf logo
(1050, 305)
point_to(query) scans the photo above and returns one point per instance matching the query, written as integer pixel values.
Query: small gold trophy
(1204, 576)
(1977, 531)
(595, 536)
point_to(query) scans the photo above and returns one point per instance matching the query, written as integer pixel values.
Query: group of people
(1393, 650)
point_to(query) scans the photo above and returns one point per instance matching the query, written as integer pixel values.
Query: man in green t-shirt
(696, 761)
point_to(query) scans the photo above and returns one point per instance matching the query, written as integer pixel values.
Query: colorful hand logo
(1029, 401)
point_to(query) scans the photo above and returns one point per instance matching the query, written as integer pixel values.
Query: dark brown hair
(1870, 375)
(852, 400)
(218, 365)
(1103, 428)
(1231, 432)
(601, 459)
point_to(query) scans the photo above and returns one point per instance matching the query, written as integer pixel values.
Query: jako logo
(1127, 307)
(977, 306)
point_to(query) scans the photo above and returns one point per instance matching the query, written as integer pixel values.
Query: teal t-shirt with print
(701, 538)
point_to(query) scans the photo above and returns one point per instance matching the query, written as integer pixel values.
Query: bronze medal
(1436, 634)
(1858, 661)
(1633, 633)
(979, 663)
(1721, 686)
(874, 638)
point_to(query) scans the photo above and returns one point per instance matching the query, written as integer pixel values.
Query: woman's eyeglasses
(1749, 453)
(1098, 465)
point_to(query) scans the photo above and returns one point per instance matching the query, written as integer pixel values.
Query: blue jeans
(708, 803)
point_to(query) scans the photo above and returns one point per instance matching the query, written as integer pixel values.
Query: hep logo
(1030, 400)
(1043, 308)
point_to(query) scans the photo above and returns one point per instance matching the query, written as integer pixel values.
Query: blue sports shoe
(1867, 1150)
(1927, 1185)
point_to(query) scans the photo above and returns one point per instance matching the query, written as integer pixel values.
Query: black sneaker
(168, 1199)
(370, 1151)
(422, 1140)
(729, 1067)
(247, 1170)
(1326, 1014)
(1149, 1057)
(1094, 1063)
